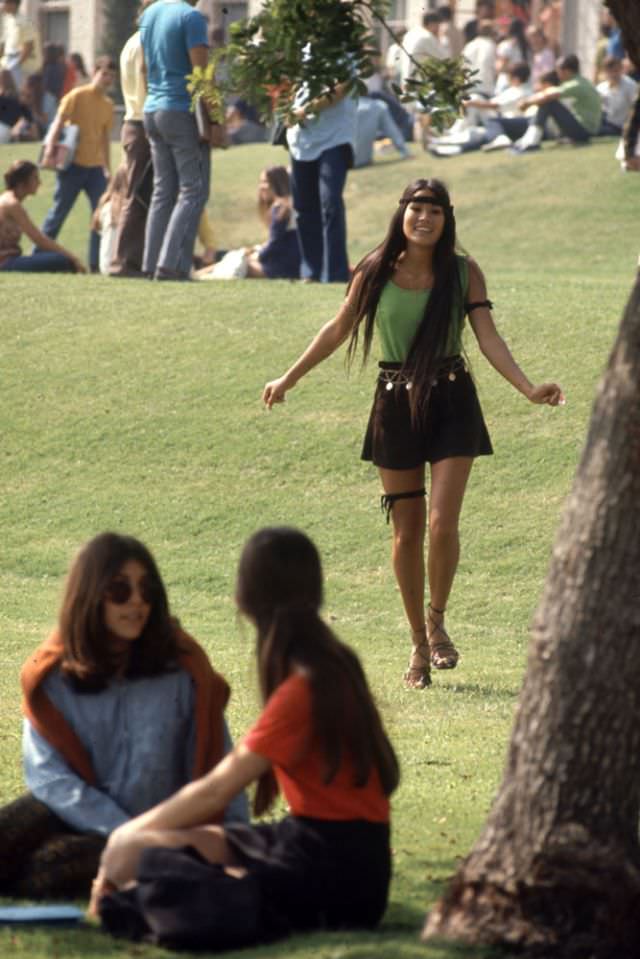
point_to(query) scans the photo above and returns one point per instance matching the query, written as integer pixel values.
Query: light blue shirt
(169, 29)
(373, 120)
(329, 128)
(140, 737)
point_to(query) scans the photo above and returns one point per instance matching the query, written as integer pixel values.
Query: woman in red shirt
(320, 741)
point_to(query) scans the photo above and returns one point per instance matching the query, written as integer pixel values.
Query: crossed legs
(409, 516)
(121, 859)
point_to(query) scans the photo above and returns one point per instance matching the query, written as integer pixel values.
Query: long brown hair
(88, 654)
(279, 587)
(376, 269)
(280, 185)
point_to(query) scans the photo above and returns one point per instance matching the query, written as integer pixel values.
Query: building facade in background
(78, 24)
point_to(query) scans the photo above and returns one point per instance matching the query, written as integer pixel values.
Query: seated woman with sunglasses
(121, 709)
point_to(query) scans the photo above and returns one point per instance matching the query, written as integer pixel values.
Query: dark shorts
(453, 424)
(317, 873)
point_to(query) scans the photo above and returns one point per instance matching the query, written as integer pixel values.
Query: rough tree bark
(556, 870)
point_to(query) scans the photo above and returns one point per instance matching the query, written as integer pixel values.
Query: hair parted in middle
(280, 185)
(279, 588)
(376, 269)
(88, 656)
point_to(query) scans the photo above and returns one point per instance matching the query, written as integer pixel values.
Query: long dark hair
(279, 587)
(88, 653)
(430, 342)
(280, 185)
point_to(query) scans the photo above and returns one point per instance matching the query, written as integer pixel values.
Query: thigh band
(388, 499)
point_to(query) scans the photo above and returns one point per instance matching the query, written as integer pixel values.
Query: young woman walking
(415, 290)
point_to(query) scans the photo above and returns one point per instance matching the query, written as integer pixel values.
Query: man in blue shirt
(174, 41)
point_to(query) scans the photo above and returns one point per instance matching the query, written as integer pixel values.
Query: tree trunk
(556, 870)
(627, 14)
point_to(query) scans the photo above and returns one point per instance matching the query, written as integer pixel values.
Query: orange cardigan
(211, 696)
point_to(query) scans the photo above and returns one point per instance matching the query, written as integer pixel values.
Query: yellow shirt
(16, 32)
(92, 111)
(134, 88)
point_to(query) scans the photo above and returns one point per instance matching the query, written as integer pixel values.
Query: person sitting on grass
(618, 93)
(13, 113)
(121, 708)
(320, 740)
(574, 106)
(279, 257)
(22, 180)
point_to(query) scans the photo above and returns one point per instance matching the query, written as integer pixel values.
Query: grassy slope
(132, 406)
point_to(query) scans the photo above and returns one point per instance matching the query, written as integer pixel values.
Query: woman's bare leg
(409, 518)
(448, 483)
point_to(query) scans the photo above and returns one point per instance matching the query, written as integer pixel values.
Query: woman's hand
(78, 265)
(274, 392)
(101, 886)
(120, 859)
(549, 393)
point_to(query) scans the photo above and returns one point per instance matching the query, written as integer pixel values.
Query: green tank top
(400, 313)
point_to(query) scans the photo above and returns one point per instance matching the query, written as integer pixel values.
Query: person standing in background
(20, 42)
(174, 40)
(91, 110)
(129, 243)
(322, 146)
(450, 37)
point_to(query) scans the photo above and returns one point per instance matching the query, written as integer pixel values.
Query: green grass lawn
(134, 406)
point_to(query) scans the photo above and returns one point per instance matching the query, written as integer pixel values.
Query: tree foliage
(321, 44)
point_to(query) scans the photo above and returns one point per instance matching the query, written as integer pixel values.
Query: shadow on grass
(483, 692)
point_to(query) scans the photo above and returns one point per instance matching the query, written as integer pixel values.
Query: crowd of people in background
(145, 221)
(526, 87)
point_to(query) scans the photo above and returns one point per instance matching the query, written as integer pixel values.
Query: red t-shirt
(283, 735)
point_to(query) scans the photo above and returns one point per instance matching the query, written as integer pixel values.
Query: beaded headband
(425, 199)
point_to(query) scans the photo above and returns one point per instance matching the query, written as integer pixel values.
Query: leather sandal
(418, 673)
(444, 654)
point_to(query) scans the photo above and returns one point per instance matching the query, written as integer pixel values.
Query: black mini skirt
(452, 424)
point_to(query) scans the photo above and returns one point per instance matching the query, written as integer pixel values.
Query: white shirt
(617, 101)
(480, 54)
(16, 31)
(132, 81)
(420, 44)
(508, 100)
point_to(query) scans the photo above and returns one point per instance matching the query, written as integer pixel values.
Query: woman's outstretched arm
(324, 343)
(496, 350)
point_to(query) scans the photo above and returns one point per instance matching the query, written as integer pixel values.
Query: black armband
(478, 303)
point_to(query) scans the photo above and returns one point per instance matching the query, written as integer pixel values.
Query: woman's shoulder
(8, 203)
(280, 210)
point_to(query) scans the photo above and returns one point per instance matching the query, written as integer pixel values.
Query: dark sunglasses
(120, 591)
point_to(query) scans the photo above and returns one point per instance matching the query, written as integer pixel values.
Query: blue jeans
(568, 125)
(181, 182)
(69, 184)
(316, 186)
(514, 127)
(42, 261)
